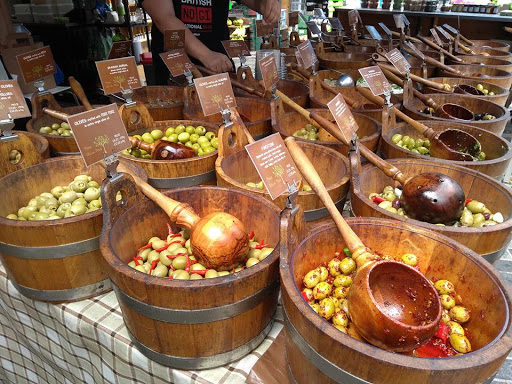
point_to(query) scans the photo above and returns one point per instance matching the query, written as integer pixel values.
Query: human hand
(217, 62)
(271, 10)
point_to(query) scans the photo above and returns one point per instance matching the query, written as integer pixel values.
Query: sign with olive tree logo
(177, 62)
(36, 64)
(215, 93)
(12, 102)
(118, 74)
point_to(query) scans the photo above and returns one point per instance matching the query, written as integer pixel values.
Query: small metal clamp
(190, 78)
(128, 95)
(387, 97)
(39, 84)
(6, 126)
(293, 193)
(273, 90)
(111, 163)
(243, 61)
(313, 68)
(226, 117)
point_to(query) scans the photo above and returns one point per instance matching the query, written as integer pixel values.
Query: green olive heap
(194, 137)
(56, 129)
(331, 82)
(481, 88)
(309, 133)
(420, 146)
(15, 156)
(475, 213)
(484, 116)
(173, 258)
(260, 185)
(81, 196)
(326, 288)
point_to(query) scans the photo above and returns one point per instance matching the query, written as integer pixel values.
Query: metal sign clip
(6, 127)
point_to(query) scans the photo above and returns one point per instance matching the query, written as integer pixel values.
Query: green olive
(140, 268)
(322, 290)
(314, 306)
(152, 256)
(447, 301)
(340, 318)
(253, 252)
(156, 244)
(78, 186)
(211, 273)
(182, 275)
(326, 308)
(459, 314)
(444, 287)
(466, 219)
(312, 278)
(251, 261)
(76, 210)
(144, 253)
(92, 193)
(454, 327)
(180, 262)
(475, 206)
(147, 138)
(342, 281)
(61, 211)
(79, 201)
(344, 306)
(164, 259)
(340, 292)
(68, 197)
(396, 138)
(460, 343)
(334, 267)
(478, 219)
(265, 252)
(324, 273)
(347, 266)
(410, 259)
(95, 204)
(223, 273)
(445, 316)
(160, 270)
(195, 276)
(12, 216)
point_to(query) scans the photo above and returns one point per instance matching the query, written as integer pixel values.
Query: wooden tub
(477, 72)
(496, 45)
(490, 62)
(163, 102)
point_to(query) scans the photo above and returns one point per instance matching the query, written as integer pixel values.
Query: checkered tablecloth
(87, 342)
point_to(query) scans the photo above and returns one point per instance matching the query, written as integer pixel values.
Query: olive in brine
(460, 314)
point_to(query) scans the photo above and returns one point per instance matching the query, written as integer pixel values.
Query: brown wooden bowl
(497, 149)
(500, 97)
(491, 242)
(156, 310)
(471, 103)
(34, 148)
(487, 74)
(495, 45)
(295, 90)
(319, 353)
(164, 102)
(52, 260)
(341, 61)
(490, 62)
(288, 123)
(165, 174)
(491, 53)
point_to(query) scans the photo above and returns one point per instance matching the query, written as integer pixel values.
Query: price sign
(236, 48)
(353, 17)
(177, 62)
(450, 28)
(398, 60)
(373, 32)
(313, 28)
(307, 54)
(376, 80)
(335, 23)
(436, 37)
(299, 59)
(293, 18)
(12, 101)
(415, 50)
(386, 30)
(274, 164)
(406, 20)
(399, 21)
(118, 74)
(119, 49)
(268, 70)
(264, 29)
(174, 39)
(215, 93)
(343, 117)
(99, 133)
(443, 32)
(36, 64)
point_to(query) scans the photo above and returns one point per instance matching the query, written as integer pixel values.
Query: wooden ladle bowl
(455, 111)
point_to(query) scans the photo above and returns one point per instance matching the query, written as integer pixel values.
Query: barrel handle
(354, 161)
(388, 120)
(43, 101)
(77, 89)
(23, 144)
(292, 231)
(136, 116)
(234, 138)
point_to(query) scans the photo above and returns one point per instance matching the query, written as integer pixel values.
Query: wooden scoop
(450, 144)
(392, 305)
(431, 44)
(77, 89)
(430, 197)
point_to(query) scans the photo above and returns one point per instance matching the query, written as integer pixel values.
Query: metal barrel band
(53, 251)
(321, 363)
(64, 294)
(206, 362)
(196, 316)
(320, 213)
(180, 182)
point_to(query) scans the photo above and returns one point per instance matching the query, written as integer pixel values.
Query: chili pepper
(153, 265)
(467, 201)
(170, 277)
(251, 235)
(261, 246)
(377, 199)
(169, 229)
(149, 245)
(172, 257)
(136, 260)
(175, 235)
(304, 296)
(201, 272)
(347, 252)
(166, 246)
(442, 332)
(187, 265)
(183, 243)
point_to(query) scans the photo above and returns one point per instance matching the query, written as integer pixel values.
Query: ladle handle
(420, 128)
(57, 114)
(432, 61)
(433, 45)
(297, 108)
(354, 243)
(413, 77)
(301, 70)
(77, 89)
(236, 83)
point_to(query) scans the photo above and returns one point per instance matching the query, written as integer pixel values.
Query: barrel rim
(442, 79)
(498, 73)
(502, 344)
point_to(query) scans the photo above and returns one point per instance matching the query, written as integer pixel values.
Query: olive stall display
(326, 288)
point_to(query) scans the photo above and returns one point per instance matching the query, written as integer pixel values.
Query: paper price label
(236, 48)
(118, 74)
(264, 29)
(268, 70)
(398, 60)
(313, 28)
(307, 54)
(443, 32)
(376, 80)
(174, 39)
(36, 64)
(353, 17)
(399, 21)
(373, 32)
(274, 164)
(415, 50)
(177, 62)
(12, 101)
(119, 49)
(293, 18)
(343, 117)
(450, 28)
(99, 133)
(386, 30)
(436, 37)
(215, 93)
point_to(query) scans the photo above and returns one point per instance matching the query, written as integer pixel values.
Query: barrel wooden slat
(490, 242)
(497, 150)
(46, 274)
(479, 72)
(33, 148)
(439, 257)
(163, 102)
(203, 338)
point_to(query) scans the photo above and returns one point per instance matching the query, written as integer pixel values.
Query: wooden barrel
(497, 150)
(479, 72)
(181, 173)
(53, 260)
(317, 352)
(417, 69)
(32, 147)
(216, 321)
(288, 123)
(475, 105)
(254, 112)
(500, 96)
(163, 102)
(496, 45)
(235, 169)
(491, 53)
(490, 242)
(344, 62)
(491, 62)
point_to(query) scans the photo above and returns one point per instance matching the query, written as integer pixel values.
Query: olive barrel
(317, 352)
(496, 45)
(192, 324)
(163, 102)
(480, 72)
(54, 260)
(21, 151)
(504, 65)
(489, 52)
(490, 241)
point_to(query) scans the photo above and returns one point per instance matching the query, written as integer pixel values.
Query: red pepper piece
(261, 246)
(153, 265)
(251, 235)
(149, 245)
(304, 296)
(166, 246)
(467, 201)
(442, 332)
(187, 265)
(136, 260)
(378, 199)
(169, 229)
(175, 235)
(201, 272)
(430, 350)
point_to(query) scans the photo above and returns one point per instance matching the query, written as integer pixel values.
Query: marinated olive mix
(56, 129)
(172, 257)
(260, 185)
(480, 87)
(15, 156)
(80, 196)
(331, 82)
(475, 213)
(309, 132)
(478, 116)
(198, 138)
(326, 288)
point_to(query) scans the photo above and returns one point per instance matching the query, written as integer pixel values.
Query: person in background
(204, 22)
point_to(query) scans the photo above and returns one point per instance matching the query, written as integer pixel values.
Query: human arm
(269, 9)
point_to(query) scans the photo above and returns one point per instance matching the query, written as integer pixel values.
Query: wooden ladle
(392, 305)
(431, 197)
